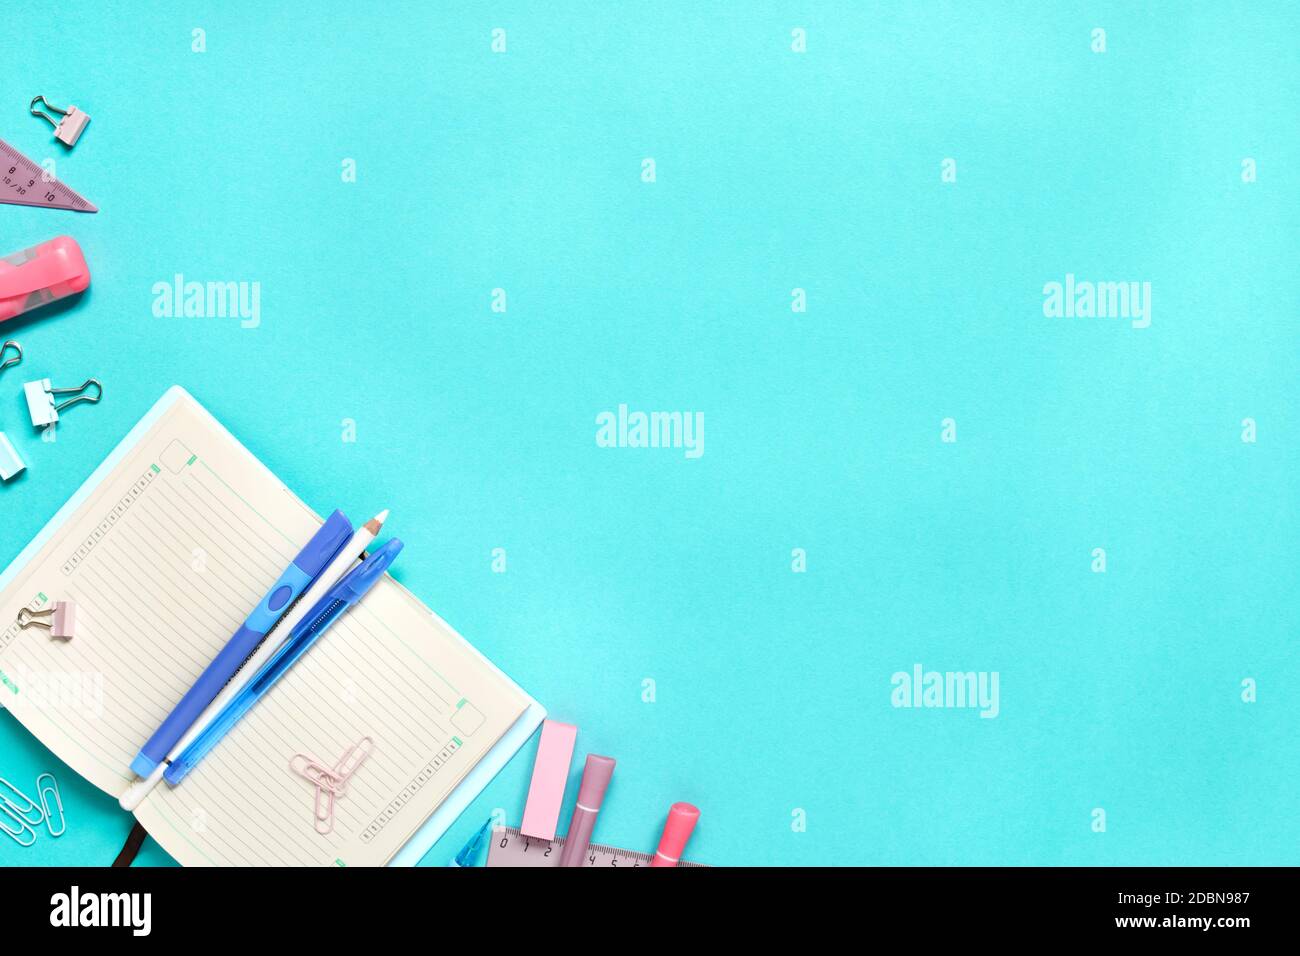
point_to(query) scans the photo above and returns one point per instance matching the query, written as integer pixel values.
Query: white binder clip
(11, 463)
(67, 130)
(40, 399)
(62, 619)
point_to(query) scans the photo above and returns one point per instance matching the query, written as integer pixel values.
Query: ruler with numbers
(511, 848)
(23, 183)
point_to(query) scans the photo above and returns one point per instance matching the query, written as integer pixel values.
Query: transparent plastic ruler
(511, 848)
(21, 184)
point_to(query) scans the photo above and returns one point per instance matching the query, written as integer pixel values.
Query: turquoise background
(775, 170)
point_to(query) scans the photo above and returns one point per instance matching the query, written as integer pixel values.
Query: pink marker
(591, 794)
(682, 818)
(53, 270)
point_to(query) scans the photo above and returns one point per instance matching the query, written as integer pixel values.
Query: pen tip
(377, 522)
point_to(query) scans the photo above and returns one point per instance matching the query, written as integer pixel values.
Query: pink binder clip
(62, 619)
(67, 130)
(46, 273)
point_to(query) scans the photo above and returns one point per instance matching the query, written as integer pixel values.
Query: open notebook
(165, 550)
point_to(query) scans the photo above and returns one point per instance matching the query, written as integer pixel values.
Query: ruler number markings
(15, 168)
(513, 844)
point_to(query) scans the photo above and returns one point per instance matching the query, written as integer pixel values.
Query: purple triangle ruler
(21, 185)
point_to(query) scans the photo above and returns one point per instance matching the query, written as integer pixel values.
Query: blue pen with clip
(311, 560)
(329, 609)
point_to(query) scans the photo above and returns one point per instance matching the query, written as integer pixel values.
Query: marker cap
(595, 780)
(682, 818)
(360, 578)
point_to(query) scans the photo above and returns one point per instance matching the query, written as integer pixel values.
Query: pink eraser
(682, 818)
(550, 774)
(64, 623)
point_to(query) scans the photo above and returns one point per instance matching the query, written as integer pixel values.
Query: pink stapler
(53, 270)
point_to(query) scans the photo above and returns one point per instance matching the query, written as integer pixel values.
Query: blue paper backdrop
(774, 170)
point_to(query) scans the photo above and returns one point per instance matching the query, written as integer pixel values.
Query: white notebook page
(164, 561)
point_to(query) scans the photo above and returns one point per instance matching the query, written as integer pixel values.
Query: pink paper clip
(324, 811)
(330, 783)
(62, 621)
(42, 274)
(354, 758)
(311, 770)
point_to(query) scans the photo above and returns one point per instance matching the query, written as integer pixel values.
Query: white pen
(333, 573)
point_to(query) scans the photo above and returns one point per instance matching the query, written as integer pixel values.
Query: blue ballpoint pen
(300, 574)
(329, 609)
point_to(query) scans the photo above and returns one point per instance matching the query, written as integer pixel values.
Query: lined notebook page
(164, 560)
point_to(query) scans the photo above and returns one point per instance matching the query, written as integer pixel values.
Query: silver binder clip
(62, 619)
(67, 130)
(40, 399)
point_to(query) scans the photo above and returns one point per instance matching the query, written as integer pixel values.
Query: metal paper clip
(43, 792)
(21, 811)
(21, 826)
(17, 349)
(40, 399)
(67, 130)
(62, 619)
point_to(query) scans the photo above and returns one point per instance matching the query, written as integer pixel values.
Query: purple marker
(591, 794)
